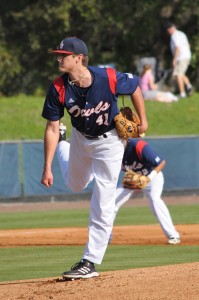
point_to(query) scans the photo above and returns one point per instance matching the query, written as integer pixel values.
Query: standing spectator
(89, 94)
(150, 89)
(181, 52)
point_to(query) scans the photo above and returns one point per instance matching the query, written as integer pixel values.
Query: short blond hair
(85, 59)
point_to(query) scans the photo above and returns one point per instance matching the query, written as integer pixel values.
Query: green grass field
(21, 117)
(40, 262)
(182, 214)
(43, 262)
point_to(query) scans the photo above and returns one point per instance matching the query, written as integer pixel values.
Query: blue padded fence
(9, 170)
(21, 166)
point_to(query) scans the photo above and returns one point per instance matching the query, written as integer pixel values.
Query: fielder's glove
(133, 180)
(127, 123)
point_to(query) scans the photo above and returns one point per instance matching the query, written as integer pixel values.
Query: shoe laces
(78, 265)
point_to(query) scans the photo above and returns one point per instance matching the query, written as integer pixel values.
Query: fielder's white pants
(83, 160)
(153, 192)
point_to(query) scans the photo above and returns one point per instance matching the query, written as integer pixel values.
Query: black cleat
(82, 269)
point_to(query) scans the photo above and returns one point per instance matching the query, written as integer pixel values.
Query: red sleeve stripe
(112, 79)
(139, 147)
(59, 86)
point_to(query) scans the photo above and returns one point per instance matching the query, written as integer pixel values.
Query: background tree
(115, 31)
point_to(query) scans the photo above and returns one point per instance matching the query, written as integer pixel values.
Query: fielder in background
(90, 96)
(142, 159)
(181, 52)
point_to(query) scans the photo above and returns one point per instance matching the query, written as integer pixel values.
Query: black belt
(90, 137)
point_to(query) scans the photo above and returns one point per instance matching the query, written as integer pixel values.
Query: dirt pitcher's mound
(122, 235)
(177, 282)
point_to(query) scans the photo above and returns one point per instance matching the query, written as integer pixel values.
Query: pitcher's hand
(47, 178)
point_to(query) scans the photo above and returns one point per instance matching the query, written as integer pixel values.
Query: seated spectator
(150, 89)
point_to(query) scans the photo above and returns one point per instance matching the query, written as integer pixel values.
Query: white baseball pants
(153, 192)
(83, 160)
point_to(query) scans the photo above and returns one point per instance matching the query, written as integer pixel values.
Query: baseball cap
(72, 45)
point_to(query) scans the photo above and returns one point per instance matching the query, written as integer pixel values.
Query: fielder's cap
(72, 45)
(168, 24)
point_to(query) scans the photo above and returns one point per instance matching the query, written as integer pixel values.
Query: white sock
(183, 95)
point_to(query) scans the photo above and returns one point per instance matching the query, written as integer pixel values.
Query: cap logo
(61, 45)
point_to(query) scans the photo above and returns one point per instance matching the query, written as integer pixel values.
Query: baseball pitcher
(90, 96)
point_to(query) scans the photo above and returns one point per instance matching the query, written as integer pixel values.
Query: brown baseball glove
(133, 180)
(127, 123)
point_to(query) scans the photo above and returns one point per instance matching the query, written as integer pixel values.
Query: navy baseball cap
(72, 45)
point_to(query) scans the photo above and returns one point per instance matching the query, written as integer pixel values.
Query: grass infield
(19, 263)
(43, 262)
(181, 214)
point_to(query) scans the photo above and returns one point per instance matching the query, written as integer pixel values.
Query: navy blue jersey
(92, 110)
(140, 157)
